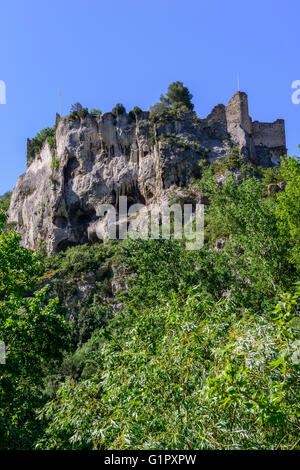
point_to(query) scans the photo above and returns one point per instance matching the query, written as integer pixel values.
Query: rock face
(100, 157)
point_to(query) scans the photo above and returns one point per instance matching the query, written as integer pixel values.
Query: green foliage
(118, 110)
(34, 334)
(5, 201)
(179, 95)
(288, 207)
(55, 163)
(233, 161)
(271, 175)
(137, 111)
(35, 145)
(155, 267)
(96, 111)
(81, 114)
(134, 114)
(76, 108)
(171, 139)
(91, 315)
(200, 350)
(160, 111)
(188, 374)
(176, 103)
(79, 259)
(255, 248)
(88, 265)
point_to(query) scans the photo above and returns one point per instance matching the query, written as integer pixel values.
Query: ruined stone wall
(217, 121)
(237, 112)
(268, 134)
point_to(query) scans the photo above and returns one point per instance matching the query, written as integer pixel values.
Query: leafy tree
(257, 255)
(188, 374)
(79, 259)
(76, 107)
(178, 95)
(177, 100)
(118, 110)
(211, 336)
(35, 145)
(5, 201)
(137, 111)
(80, 114)
(288, 207)
(96, 111)
(134, 114)
(34, 334)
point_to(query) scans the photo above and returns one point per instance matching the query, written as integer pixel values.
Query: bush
(96, 111)
(35, 334)
(134, 114)
(211, 336)
(79, 259)
(177, 101)
(271, 175)
(91, 315)
(78, 114)
(227, 382)
(118, 110)
(35, 145)
(288, 207)
(76, 107)
(5, 201)
(179, 95)
(55, 163)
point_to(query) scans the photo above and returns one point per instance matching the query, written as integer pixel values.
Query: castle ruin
(266, 138)
(100, 157)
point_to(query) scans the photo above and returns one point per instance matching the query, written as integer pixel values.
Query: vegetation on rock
(35, 145)
(5, 201)
(163, 348)
(194, 350)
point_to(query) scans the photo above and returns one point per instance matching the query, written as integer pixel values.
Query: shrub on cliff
(288, 207)
(76, 107)
(78, 114)
(134, 114)
(96, 111)
(35, 145)
(55, 163)
(79, 259)
(5, 201)
(177, 101)
(118, 110)
(179, 95)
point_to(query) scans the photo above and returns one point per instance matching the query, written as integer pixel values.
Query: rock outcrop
(100, 157)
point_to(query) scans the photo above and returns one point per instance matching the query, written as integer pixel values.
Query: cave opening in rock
(81, 215)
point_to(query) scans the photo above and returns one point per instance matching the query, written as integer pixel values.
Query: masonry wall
(237, 112)
(269, 134)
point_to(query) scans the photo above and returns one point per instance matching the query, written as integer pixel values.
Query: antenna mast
(60, 106)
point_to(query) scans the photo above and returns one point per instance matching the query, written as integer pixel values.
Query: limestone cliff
(99, 157)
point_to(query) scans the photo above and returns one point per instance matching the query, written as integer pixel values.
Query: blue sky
(103, 52)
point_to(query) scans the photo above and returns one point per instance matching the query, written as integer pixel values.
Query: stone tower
(237, 112)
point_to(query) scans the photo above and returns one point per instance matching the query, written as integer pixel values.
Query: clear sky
(103, 52)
